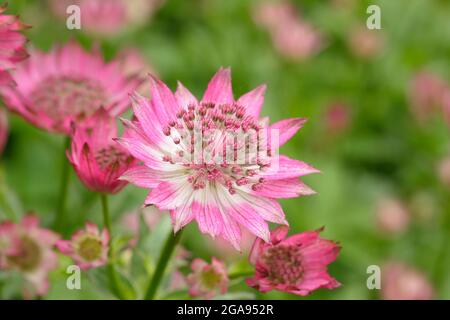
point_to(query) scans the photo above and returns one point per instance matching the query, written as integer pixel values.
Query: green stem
(64, 186)
(112, 273)
(169, 246)
(241, 274)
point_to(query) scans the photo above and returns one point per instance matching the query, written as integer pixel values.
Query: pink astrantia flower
(108, 17)
(97, 159)
(3, 129)
(27, 248)
(401, 281)
(12, 45)
(297, 264)
(67, 85)
(207, 280)
(208, 160)
(88, 247)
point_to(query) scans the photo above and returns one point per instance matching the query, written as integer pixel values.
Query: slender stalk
(241, 274)
(112, 273)
(64, 187)
(166, 253)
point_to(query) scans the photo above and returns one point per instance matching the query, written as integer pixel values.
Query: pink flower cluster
(291, 35)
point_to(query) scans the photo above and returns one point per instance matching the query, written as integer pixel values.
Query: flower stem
(169, 246)
(112, 273)
(241, 274)
(64, 186)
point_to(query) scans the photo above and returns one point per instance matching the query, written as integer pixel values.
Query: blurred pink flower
(97, 159)
(88, 247)
(185, 147)
(12, 45)
(225, 251)
(427, 94)
(297, 264)
(444, 171)
(392, 216)
(207, 280)
(337, 117)
(403, 282)
(108, 17)
(3, 129)
(291, 35)
(67, 85)
(365, 43)
(27, 248)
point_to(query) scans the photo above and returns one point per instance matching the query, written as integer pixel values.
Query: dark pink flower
(400, 281)
(3, 129)
(88, 247)
(67, 85)
(207, 280)
(297, 264)
(97, 159)
(12, 45)
(27, 248)
(213, 160)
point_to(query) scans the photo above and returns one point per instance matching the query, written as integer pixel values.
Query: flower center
(110, 157)
(90, 248)
(284, 264)
(28, 256)
(210, 279)
(59, 97)
(220, 144)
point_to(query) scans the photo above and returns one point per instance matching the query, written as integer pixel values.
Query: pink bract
(207, 280)
(28, 248)
(12, 45)
(97, 159)
(88, 247)
(67, 85)
(213, 160)
(297, 264)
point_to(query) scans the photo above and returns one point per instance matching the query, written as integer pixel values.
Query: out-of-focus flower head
(427, 94)
(87, 247)
(400, 281)
(297, 264)
(207, 280)
(12, 45)
(444, 171)
(107, 18)
(291, 35)
(67, 85)
(3, 129)
(337, 117)
(214, 160)
(97, 159)
(365, 43)
(27, 248)
(392, 216)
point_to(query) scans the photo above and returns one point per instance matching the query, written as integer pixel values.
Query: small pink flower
(297, 264)
(207, 280)
(27, 248)
(67, 85)
(12, 45)
(400, 281)
(213, 160)
(269, 14)
(97, 159)
(392, 216)
(107, 18)
(88, 247)
(3, 129)
(337, 117)
(365, 43)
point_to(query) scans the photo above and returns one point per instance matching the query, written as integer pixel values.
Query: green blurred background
(382, 152)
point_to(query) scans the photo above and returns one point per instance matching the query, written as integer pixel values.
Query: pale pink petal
(219, 89)
(253, 101)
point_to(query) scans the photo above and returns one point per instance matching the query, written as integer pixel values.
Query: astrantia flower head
(297, 264)
(27, 248)
(67, 85)
(207, 280)
(12, 45)
(3, 129)
(213, 160)
(97, 159)
(88, 247)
